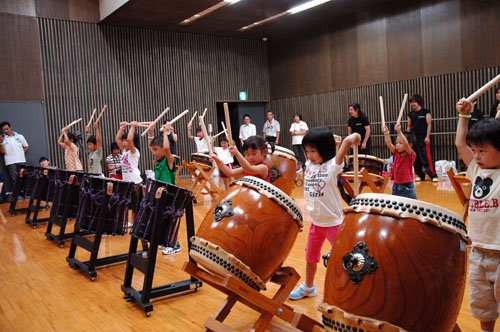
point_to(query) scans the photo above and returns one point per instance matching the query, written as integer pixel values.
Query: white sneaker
(435, 179)
(418, 178)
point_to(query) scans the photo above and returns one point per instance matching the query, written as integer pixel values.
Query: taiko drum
(282, 165)
(248, 232)
(372, 164)
(397, 264)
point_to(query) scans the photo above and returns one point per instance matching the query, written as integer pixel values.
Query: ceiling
(166, 14)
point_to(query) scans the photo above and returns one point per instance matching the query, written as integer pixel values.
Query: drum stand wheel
(237, 290)
(203, 179)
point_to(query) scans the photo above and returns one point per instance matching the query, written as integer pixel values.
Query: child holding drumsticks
(323, 200)
(252, 163)
(480, 151)
(404, 157)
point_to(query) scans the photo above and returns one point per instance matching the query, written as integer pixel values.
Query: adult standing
(420, 124)
(493, 109)
(475, 116)
(247, 129)
(172, 140)
(298, 129)
(271, 129)
(358, 123)
(14, 147)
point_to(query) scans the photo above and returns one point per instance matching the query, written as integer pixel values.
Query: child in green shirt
(160, 148)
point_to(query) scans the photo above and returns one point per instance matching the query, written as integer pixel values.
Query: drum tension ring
(358, 263)
(223, 210)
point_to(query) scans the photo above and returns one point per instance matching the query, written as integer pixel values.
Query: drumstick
(382, 110)
(228, 121)
(192, 119)
(222, 132)
(100, 114)
(177, 118)
(356, 170)
(403, 106)
(204, 112)
(156, 120)
(145, 123)
(74, 122)
(483, 89)
(92, 116)
(498, 114)
(205, 134)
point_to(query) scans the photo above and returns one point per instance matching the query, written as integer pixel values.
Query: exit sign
(243, 95)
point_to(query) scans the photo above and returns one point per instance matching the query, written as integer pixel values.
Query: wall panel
(139, 72)
(440, 95)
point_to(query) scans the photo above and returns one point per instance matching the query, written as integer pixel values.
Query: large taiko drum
(372, 164)
(248, 232)
(201, 158)
(397, 264)
(282, 165)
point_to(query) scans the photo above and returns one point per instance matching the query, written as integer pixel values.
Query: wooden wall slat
(138, 73)
(440, 96)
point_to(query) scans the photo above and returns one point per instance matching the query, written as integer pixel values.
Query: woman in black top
(493, 110)
(358, 123)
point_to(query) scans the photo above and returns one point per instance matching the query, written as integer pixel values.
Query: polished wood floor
(39, 292)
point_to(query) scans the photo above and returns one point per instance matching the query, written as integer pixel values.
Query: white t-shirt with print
(14, 149)
(484, 212)
(224, 155)
(130, 166)
(297, 139)
(323, 200)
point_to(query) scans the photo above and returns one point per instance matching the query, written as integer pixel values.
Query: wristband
(387, 132)
(464, 115)
(219, 163)
(151, 137)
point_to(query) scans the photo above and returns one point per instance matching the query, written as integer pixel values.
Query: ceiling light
(306, 6)
(231, 1)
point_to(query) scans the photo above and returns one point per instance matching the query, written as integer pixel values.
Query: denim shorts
(404, 189)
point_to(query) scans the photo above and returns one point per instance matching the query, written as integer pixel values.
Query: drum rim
(370, 200)
(261, 186)
(367, 156)
(334, 312)
(216, 250)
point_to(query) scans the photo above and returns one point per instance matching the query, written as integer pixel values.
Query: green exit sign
(243, 95)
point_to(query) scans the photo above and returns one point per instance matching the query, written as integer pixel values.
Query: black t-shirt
(475, 117)
(418, 123)
(173, 145)
(358, 125)
(493, 110)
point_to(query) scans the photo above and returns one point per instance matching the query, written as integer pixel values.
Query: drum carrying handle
(358, 262)
(71, 179)
(159, 192)
(109, 188)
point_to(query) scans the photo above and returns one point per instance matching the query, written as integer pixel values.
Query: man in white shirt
(247, 129)
(13, 146)
(272, 129)
(298, 130)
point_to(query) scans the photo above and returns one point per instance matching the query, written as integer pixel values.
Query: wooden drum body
(397, 264)
(372, 164)
(201, 158)
(248, 232)
(282, 165)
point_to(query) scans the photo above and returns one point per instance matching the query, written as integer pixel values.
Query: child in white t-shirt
(322, 197)
(225, 156)
(480, 151)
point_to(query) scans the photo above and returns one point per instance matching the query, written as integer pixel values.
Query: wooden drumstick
(382, 110)
(222, 132)
(92, 116)
(174, 120)
(204, 112)
(228, 121)
(205, 134)
(403, 106)
(100, 114)
(356, 171)
(74, 123)
(483, 89)
(498, 114)
(156, 120)
(192, 119)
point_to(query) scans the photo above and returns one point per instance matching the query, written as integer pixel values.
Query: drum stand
(457, 180)
(147, 265)
(17, 192)
(376, 183)
(237, 290)
(79, 240)
(61, 220)
(41, 183)
(201, 179)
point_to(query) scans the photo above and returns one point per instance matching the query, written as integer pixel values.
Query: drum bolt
(279, 311)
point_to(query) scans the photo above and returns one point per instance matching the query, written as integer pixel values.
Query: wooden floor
(39, 292)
